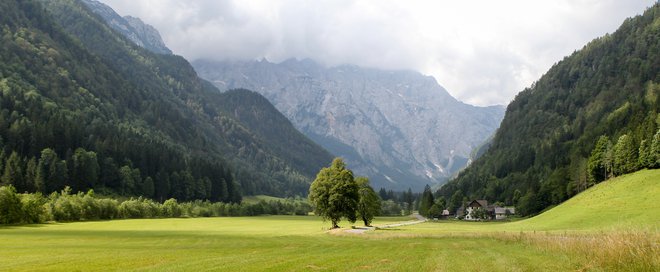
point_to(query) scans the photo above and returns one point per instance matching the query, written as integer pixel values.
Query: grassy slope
(287, 243)
(626, 202)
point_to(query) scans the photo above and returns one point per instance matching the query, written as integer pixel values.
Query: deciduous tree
(369, 203)
(334, 193)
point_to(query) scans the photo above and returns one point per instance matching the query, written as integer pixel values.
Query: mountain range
(400, 128)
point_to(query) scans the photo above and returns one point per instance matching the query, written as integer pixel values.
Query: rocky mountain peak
(400, 128)
(144, 35)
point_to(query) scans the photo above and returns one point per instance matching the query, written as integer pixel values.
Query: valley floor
(303, 243)
(283, 243)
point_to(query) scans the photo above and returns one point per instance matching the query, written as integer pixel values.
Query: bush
(10, 206)
(33, 208)
(171, 208)
(65, 207)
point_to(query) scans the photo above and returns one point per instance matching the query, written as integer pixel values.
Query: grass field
(549, 242)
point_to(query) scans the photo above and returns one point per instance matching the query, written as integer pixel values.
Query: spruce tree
(427, 201)
(13, 173)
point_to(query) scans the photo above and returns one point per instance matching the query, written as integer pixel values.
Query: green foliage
(171, 208)
(369, 204)
(10, 206)
(479, 213)
(654, 153)
(334, 193)
(436, 210)
(33, 208)
(598, 163)
(544, 147)
(13, 174)
(625, 156)
(391, 208)
(426, 202)
(85, 170)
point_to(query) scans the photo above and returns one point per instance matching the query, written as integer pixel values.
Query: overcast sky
(482, 52)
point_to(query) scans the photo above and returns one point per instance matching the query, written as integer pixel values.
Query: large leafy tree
(369, 203)
(334, 193)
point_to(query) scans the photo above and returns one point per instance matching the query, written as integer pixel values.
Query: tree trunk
(334, 224)
(366, 222)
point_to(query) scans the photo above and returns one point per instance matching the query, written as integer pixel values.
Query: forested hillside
(544, 152)
(82, 106)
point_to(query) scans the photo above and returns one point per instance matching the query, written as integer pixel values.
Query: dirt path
(361, 230)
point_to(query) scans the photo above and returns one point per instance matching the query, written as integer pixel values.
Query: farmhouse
(480, 210)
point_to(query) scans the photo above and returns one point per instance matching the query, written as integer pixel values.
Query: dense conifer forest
(82, 106)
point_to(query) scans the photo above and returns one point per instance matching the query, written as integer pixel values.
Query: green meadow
(611, 227)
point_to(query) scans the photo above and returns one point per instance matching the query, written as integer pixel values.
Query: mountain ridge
(144, 35)
(73, 88)
(376, 119)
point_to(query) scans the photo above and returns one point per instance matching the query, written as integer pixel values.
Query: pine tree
(644, 154)
(654, 153)
(148, 187)
(597, 168)
(427, 201)
(13, 173)
(31, 175)
(625, 156)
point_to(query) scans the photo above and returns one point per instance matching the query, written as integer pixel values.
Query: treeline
(624, 156)
(398, 203)
(65, 206)
(82, 170)
(540, 155)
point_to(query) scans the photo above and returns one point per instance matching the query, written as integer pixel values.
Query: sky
(482, 52)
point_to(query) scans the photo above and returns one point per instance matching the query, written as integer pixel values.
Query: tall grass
(633, 250)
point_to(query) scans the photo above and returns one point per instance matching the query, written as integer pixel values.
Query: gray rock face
(399, 128)
(144, 35)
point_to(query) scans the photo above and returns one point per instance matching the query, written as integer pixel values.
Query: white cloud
(483, 52)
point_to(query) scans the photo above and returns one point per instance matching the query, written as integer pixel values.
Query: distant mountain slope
(68, 81)
(400, 128)
(539, 156)
(144, 35)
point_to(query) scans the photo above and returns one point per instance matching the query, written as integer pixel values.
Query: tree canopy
(369, 204)
(334, 193)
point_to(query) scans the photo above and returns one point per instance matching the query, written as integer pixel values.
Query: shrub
(171, 208)
(10, 206)
(33, 208)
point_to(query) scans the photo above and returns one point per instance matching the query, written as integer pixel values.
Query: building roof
(502, 210)
(482, 203)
